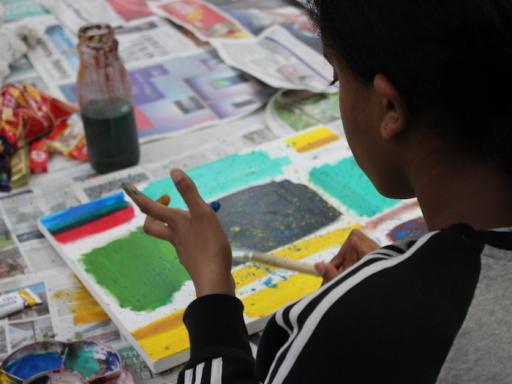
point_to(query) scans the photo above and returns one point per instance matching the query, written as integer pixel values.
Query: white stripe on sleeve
(189, 374)
(199, 373)
(216, 377)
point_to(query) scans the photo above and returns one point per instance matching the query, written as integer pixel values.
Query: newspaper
(151, 38)
(183, 93)
(279, 59)
(72, 14)
(293, 111)
(206, 21)
(56, 58)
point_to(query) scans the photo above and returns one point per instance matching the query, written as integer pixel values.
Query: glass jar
(105, 97)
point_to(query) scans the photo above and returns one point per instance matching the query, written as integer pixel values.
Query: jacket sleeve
(219, 344)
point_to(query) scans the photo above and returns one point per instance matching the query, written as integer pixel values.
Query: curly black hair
(450, 59)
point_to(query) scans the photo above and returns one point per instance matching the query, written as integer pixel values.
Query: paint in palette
(92, 360)
(35, 359)
(89, 219)
(86, 359)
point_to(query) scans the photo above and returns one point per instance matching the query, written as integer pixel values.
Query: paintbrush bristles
(276, 261)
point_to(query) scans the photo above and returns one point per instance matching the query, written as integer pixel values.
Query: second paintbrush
(275, 261)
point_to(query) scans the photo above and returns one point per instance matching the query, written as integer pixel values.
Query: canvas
(281, 198)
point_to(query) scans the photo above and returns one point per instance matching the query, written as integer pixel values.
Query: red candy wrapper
(64, 140)
(27, 113)
(29, 116)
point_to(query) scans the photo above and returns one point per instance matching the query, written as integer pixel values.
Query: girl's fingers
(158, 229)
(148, 206)
(327, 271)
(189, 192)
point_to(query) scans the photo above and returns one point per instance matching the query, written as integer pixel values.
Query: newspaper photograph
(206, 21)
(130, 9)
(188, 92)
(32, 324)
(257, 16)
(279, 59)
(293, 111)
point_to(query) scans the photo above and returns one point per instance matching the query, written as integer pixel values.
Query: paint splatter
(410, 230)
(312, 139)
(223, 176)
(141, 272)
(347, 183)
(269, 216)
(34, 364)
(82, 305)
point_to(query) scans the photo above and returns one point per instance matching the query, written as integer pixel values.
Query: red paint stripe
(113, 220)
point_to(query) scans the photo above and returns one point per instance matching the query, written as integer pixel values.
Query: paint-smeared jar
(104, 93)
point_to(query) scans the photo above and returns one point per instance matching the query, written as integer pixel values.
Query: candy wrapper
(28, 115)
(65, 139)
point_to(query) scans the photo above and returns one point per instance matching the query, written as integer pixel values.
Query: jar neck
(99, 58)
(97, 45)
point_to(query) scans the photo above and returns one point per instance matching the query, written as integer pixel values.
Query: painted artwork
(298, 198)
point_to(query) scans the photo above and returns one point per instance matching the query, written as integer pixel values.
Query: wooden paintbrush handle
(285, 263)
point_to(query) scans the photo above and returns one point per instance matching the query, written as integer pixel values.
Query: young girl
(425, 102)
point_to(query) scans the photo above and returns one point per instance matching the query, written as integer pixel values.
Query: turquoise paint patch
(347, 183)
(223, 176)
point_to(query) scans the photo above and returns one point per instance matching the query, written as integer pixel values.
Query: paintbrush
(240, 256)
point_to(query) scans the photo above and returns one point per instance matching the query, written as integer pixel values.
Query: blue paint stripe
(71, 217)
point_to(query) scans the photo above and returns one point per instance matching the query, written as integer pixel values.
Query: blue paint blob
(269, 283)
(31, 365)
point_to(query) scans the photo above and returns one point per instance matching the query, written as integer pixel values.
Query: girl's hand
(354, 249)
(199, 239)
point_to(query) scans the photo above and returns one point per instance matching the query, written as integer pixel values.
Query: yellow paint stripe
(309, 140)
(269, 300)
(297, 251)
(168, 336)
(164, 337)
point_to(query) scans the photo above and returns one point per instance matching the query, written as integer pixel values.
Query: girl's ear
(394, 108)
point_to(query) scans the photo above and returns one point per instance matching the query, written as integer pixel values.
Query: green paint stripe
(348, 184)
(141, 272)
